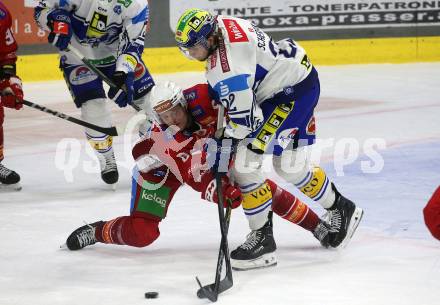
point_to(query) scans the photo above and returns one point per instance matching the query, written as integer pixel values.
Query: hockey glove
(231, 194)
(11, 92)
(123, 78)
(61, 30)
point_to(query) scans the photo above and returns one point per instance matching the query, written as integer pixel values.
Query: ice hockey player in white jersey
(111, 34)
(270, 90)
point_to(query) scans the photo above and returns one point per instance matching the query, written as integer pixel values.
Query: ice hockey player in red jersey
(11, 92)
(431, 213)
(174, 153)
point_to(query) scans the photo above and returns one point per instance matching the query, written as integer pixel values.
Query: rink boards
(322, 52)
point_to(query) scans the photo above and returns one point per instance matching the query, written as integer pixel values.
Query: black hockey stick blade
(209, 292)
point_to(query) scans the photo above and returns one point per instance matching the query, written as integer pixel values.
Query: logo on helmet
(164, 106)
(195, 23)
(192, 26)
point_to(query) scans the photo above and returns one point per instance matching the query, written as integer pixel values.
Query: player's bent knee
(96, 110)
(431, 214)
(292, 166)
(247, 167)
(145, 232)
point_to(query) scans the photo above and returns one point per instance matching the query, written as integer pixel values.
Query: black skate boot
(83, 236)
(257, 251)
(321, 233)
(344, 218)
(109, 169)
(9, 179)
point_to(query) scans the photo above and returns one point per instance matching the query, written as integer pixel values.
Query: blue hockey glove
(123, 79)
(61, 29)
(122, 94)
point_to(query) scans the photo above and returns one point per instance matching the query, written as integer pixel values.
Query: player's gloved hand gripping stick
(212, 291)
(100, 74)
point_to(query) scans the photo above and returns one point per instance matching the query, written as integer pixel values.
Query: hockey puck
(151, 295)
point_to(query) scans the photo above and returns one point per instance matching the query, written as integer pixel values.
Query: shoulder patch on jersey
(223, 56)
(235, 32)
(2, 14)
(190, 95)
(232, 84)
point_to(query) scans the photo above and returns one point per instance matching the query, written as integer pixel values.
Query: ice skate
(83, 236)
(344, 218)
(257, 251)
(322, 233)
(109, 169)
(9, 180)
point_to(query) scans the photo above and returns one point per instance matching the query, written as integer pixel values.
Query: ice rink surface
(372, 115)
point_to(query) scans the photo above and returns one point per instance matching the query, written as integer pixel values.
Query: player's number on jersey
(9, 37)
(286, 47)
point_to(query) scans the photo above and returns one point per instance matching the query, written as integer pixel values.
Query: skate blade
(265, 261)
(10, 187)
(111, 187)
(354, 223)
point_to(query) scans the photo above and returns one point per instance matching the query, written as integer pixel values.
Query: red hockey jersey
(183, 152)
(8, 45)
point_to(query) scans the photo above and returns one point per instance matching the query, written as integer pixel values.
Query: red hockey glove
(12, 92)
(231, 194)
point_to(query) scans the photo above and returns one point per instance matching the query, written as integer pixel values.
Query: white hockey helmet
(163, 97)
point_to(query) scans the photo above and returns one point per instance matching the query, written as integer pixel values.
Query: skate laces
(4, 171)
(334, 219)
(252, 240)
(321, 231)
(107, 162)
(87, 236)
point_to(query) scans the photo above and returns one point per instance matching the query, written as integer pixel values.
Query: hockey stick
(98, 72)
(212, 291)
(111, 131)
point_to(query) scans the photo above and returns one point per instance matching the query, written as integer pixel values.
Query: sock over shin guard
(128, 230)
(97, 112)
(256, 204)
(291, 208)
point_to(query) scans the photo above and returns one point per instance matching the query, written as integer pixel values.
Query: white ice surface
(392, 259)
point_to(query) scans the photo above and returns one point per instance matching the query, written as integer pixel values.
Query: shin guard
(128, 230)
(256, 204)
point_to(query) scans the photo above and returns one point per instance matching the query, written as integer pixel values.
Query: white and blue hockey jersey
(102, 29)
(247, 68)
